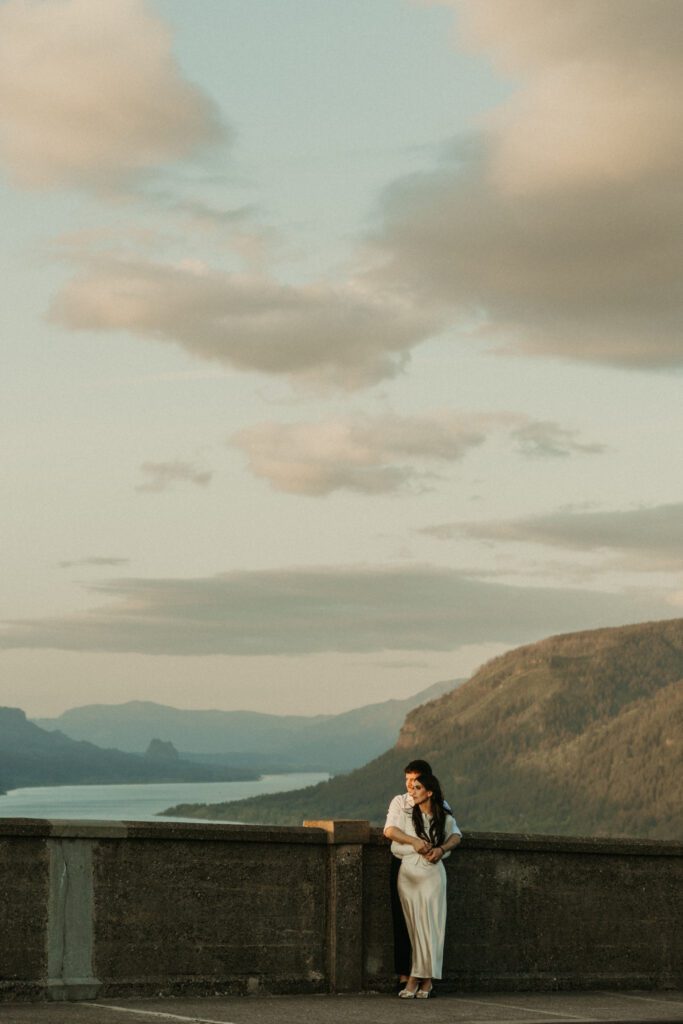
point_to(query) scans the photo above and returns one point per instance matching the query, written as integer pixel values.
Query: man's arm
(397, 835)
(393, 830)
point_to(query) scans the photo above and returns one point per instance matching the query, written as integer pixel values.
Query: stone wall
(110, 908)
(543, 913)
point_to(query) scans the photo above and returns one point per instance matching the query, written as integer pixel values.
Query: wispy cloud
(162, 475)
(97, 560)
(545, 438)
(303, 611)
(649, 538)
(92, 96)
(378, 455)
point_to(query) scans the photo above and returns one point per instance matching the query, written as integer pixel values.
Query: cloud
(160, 475)
(91, 94)
(557, 229)
(644, 538)
(588, 274)
(378, 455)
(341, 334)
(368, 455)
(596, 89)
(545, 438)
(96, 560)
(304, 611)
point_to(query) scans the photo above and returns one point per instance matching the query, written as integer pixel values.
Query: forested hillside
(577, 734)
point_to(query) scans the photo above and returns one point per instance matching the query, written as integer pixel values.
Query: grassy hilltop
(577, 734)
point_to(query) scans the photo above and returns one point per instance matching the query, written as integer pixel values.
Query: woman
(430, 832)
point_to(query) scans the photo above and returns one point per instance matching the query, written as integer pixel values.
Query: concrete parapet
(126, 908)
(345, 967)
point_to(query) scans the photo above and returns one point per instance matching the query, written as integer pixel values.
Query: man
(398, 806)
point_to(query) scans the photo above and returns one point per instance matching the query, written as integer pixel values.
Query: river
(141, 802)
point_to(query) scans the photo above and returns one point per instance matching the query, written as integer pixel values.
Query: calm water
(140, 802)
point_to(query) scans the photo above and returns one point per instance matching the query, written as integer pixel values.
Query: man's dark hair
(419, 767)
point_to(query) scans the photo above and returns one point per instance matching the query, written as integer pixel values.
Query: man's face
(410, 781)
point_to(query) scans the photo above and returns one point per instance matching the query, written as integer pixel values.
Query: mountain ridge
(332, 743)
(580, 733)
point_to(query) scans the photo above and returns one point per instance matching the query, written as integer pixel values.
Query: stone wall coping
(322, 833)
(561, 844)
(343, 831)
(161, 830)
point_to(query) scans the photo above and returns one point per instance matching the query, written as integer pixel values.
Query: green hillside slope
(577, 734)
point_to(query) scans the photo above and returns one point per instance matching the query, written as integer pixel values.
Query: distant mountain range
(578, 734)
(247, 739)
(30, 756)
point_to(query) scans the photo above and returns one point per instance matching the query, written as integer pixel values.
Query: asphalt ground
(470, 1008)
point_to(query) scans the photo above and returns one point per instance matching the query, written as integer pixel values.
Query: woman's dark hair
(437, 828)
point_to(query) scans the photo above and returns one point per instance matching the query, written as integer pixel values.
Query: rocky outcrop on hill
(578, 734)
(161, 750)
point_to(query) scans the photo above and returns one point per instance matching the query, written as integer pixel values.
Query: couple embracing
(422, 831)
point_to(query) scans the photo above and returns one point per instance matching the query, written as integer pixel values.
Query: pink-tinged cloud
(382, 454)
(596, 88)
(91, 94)
(557, 229)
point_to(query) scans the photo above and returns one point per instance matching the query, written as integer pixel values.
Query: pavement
(471, 1008)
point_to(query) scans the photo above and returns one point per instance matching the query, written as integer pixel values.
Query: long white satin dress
(422, 890)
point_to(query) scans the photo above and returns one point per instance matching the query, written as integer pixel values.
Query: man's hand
(398, 836)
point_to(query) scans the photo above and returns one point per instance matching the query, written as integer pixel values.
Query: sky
(341, 342)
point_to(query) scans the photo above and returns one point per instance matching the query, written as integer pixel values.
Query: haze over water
(141, 802)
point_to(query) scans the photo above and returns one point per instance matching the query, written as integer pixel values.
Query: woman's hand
(435, 854)
(421, 846)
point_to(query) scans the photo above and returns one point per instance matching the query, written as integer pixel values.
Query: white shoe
(425, 993)
(407, 993)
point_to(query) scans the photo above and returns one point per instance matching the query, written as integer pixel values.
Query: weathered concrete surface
(195, 916)
(172, 909)
(565, 917)
(24, 887)
(70, 921)
(345, 902)
(505, 1008)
